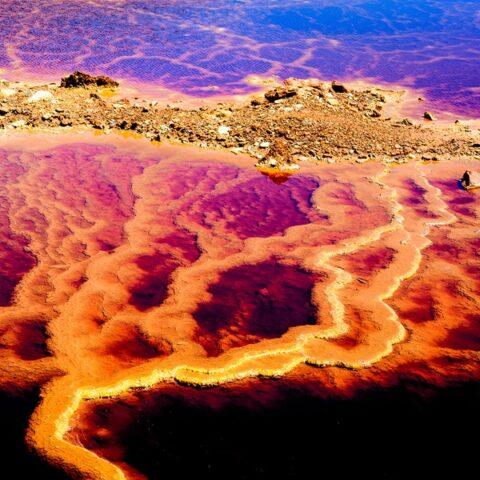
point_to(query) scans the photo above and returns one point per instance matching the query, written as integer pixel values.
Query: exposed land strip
(298, 121)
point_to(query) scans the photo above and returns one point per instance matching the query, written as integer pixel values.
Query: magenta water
(253, 302)
(206, 48)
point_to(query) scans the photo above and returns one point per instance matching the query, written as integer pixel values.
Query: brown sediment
(292, 123)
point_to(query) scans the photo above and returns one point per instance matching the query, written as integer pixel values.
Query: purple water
(210, 47)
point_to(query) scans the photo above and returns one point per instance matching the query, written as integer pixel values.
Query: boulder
(429, 116)
(80, 79)
(339, 87)
(280, 93)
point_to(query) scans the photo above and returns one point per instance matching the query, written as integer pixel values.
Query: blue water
(203, 48)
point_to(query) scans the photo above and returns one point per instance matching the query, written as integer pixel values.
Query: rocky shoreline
(298, 121)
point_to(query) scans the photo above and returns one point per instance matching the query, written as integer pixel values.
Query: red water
(127, 267)
(253, 302)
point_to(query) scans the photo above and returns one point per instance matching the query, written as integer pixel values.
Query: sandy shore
(295, 122)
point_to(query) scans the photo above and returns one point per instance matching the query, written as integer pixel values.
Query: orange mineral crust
(130, 267)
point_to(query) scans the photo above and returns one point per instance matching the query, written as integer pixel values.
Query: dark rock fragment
(428, 116)
(339, 87)
(80, 79)
(280, 93)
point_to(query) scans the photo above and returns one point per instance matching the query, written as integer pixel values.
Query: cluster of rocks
(79, 79)
(291, 123)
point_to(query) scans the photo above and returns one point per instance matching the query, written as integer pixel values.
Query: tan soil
(291, 123)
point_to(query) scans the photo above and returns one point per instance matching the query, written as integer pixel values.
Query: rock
(7, 92)
(46, 116)
(339, 87)
(264, 145)
(224, 113)
(272, 163)
(41, 96)
(97, 125)
(80, 79)
(18, 123)
(333, 102)
(406, 121)
(428, 116)
(373, 113)
(223, 130)
(289, 167)
(280, 93)
(4, 111)
(280, 150)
